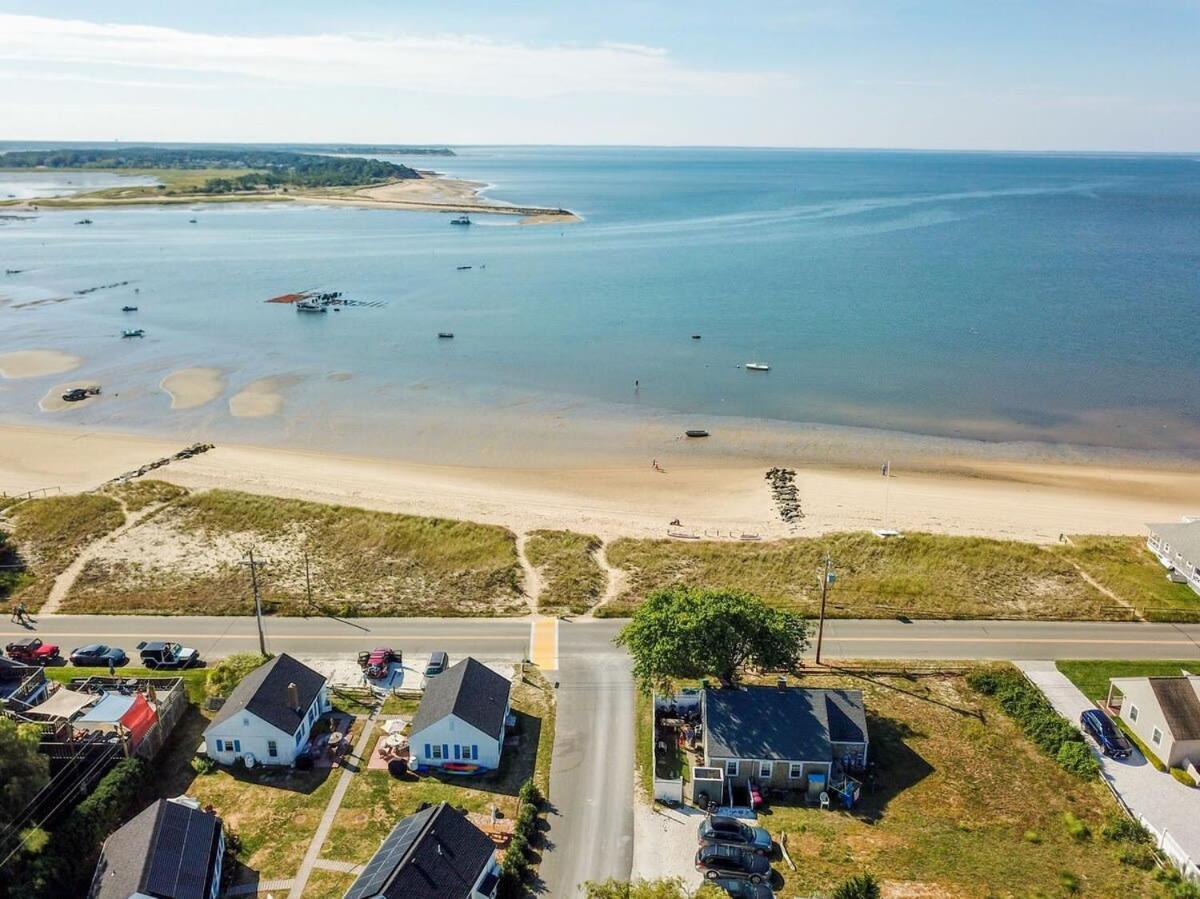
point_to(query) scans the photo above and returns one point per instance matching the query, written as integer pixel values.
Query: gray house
(1164, 712)
(1177, 546)
(779, 736)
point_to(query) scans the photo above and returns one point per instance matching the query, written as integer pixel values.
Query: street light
(827, 578)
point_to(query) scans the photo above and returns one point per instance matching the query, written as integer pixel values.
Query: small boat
(129, 308)
(84, 222)
(757, 366)
(464, 268)
(461, 220)
(696, 432)
(13, 271)
(133, 332)
(695, 337)
(310, 306)
(76, 394)
(446, 335)
(191, 221)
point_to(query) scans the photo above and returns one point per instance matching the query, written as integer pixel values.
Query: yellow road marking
(543, 643)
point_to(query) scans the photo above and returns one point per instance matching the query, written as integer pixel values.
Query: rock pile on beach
(186, 453)
(787, 497)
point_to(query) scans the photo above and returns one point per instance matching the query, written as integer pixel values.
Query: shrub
(1183, 777)
(1068, 881)
(227, 673)
(1032, 836)
(860, 886)
(1123, 829)
(202, 764)
(1078, 759)
(1076, 828)
(530, 793)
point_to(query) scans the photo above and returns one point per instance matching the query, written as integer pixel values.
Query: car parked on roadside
(726, 831)
(716, 861)
(1101, 729)
(32, 651)
(163, 654)
(380, 659)
(98, 655)
(743, 889)
(438, 662)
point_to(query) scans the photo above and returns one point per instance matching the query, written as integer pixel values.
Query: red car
(32, 651)
(378, 661)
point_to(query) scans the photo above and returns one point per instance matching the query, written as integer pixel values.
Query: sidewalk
(1166, 807)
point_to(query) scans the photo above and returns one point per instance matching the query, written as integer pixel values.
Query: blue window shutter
(445, 751)
(474, 752)
(456, 751)
(428, 751)
(220, 746)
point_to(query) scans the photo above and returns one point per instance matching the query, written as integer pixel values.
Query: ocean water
(990, 297)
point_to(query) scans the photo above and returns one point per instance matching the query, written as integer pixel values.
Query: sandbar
(260, 398)
(53, 401)
(37, 363)
(192, 387)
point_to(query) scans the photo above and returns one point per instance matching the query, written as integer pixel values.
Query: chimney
(294, 697)
(781, 683)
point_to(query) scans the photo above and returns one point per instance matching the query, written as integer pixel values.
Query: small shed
(708, 785)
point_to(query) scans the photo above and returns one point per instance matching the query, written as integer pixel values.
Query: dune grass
(142, 492)
(1126, 567)
(49, 533)
(918, 575)
(360, 562)
(572, 581)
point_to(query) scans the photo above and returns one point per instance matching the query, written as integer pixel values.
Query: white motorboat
(757, 366)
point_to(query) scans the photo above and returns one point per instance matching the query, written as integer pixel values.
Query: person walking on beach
(13, 616)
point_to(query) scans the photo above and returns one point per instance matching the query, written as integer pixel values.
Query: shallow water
(990, 296)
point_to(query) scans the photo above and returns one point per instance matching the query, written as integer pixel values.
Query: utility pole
(307, 581)
(827, 577)
(262, 640)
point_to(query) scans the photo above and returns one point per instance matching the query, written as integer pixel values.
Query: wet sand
(260, 398)
(37, 363)
(53, 401)
(192, 387)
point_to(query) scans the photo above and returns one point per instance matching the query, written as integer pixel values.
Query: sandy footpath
(711, 498)
(192, 387)
(36, 363)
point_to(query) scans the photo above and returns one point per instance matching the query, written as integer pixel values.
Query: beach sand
(36, 363)
(53, 401)
(192, 387)
(711, 497)
(260, 398)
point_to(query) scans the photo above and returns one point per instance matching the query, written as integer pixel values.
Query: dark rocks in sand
(782, 482)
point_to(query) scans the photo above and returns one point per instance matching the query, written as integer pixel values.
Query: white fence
(669, 790)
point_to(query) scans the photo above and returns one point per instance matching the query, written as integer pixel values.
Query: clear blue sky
(986, 74)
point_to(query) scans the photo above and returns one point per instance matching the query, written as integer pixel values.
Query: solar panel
(383, 864)
(181, 854)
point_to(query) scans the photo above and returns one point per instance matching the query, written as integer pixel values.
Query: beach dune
(192, 387)
(37, 363)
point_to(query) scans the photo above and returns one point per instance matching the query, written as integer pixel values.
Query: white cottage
(269, 715)
(1164, 712)
(1177, 546)
(460, 722)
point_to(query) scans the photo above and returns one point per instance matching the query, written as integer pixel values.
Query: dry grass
(1126, 567)
(919, 575)
(142, 492)
(49, 533)
(572, 580)
(186, 558)
(953, 799)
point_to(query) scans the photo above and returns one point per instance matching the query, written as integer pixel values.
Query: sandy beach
(37, 363)
(192, 387)
(711, 497)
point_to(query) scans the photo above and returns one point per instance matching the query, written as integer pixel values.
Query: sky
(1118, 75)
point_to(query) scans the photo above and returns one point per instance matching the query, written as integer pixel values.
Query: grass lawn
(186, 560)
(572, 580)
(375, 800)
(920, 575)
(49, 533)
(962, 805)
(1092, 676)
(327, 884)
(1126, 567)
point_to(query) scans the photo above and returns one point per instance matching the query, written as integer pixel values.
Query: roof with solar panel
(434, 854)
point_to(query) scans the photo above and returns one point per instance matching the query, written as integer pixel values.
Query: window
(1133, 713)
(466, 752)
(1156, 736)
(272, 749)
(731, 767)
(437, 751)
(795, 770)
(764, 769)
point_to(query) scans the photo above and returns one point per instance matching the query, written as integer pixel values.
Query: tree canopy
(685, 632)
(23, 770)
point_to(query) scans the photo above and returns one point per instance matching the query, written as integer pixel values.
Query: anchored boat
(463, 219)
(133, 332)
(129, 308)
(310, 306)
(696, 432)
(757, 366)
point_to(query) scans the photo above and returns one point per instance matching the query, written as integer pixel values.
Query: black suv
(730, 861)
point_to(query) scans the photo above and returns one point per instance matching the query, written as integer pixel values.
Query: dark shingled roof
(788, 724)
(167, 851)
(1180, 705)
(470, 690)
(264, 692)
(435, 854)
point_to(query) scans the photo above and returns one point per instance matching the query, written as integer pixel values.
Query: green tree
(860, 886)
(23, 770)
(228, 673)
(666, 888)
(684, 632)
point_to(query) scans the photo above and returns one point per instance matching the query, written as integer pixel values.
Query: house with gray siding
(780, 736)
(1177, 546)
(1163, 712)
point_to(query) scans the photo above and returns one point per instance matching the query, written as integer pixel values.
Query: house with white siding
(1163, 712)
(269, 716)
(460, 722)
(1177, 546)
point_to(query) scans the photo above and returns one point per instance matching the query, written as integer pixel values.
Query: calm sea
(996, 297)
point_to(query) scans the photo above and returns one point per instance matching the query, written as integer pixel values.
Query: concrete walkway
(1166, 807)
(331, 810)
(262, 886)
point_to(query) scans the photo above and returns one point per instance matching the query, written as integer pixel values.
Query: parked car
(32, 651)
(97, 655)
(170, 656)
(725, 831)
(380, 659)
(743, 889)
(438, 662)
(732, 862)
(1112, 742)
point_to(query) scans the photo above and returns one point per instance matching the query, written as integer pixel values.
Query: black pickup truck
(168, 656)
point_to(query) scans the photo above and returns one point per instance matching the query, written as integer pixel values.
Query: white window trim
(768, 768)
(1133, 712)
(734, 764)
(793, 767)
(1156, 737)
